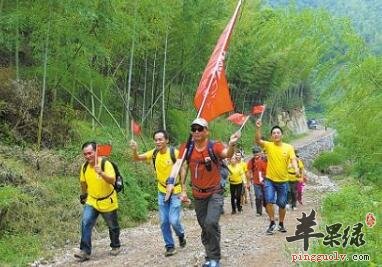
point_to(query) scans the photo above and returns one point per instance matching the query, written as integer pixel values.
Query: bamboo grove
(110, 61)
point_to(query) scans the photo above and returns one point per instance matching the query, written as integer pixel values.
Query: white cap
(200, 121)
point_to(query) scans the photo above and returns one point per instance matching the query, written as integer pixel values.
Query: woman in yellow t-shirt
(236, 178)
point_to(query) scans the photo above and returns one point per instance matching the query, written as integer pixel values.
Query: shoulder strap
(84, 167)
(154, 157)
(189, 151)
(253, 165)
(103, 161)
(172, 154)
(211, 153)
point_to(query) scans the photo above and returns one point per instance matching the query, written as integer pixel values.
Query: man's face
(276, 135)
(198, 132)
(89, 154)
(160, 141)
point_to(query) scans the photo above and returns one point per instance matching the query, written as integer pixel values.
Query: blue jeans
(89, 218)
(270, 190)
(169, 213)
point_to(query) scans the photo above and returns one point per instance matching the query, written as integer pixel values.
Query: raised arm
(258, 139)
(134, 148)
(230, 149)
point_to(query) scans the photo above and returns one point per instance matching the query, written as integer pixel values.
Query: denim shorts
(276, 193)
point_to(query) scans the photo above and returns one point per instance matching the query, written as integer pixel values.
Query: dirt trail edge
(243, 239)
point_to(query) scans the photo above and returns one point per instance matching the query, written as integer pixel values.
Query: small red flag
(237, 118)
(136, 128)
(258, 109)
(103, 150)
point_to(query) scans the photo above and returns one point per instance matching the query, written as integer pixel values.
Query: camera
(207, 163)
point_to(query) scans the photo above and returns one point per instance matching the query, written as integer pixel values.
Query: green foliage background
(287, 57)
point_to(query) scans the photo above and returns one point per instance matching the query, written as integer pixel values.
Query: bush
(327, 159)
(348, 207)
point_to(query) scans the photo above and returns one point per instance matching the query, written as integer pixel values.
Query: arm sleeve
(149, 154)
(218, 148)
(109, 170)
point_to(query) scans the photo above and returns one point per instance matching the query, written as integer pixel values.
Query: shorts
(276, 193)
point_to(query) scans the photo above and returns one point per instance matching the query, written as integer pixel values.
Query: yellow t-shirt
(278, 161)
(163, 166)
(98, 188)
(237, 174)
(291, 171)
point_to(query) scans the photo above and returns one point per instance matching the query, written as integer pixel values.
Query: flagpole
(241, 127)
(206, 94)
(261, 116)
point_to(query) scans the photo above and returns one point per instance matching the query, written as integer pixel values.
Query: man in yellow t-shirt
(99, 197)
(276, 182)
(164, 158)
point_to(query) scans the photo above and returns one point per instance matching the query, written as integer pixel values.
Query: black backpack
(118, 185)
(172, 155)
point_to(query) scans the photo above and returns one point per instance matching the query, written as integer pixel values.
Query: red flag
(136, 128)
(212, 97)
(103, 150)
(237, 118)
(258, 109)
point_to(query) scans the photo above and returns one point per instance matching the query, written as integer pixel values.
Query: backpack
(118, 185)
(172, 155)
(224, 171)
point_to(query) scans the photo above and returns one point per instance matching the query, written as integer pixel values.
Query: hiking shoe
(82, 256)
(182, 242)
(282, 229)
(115, 251)
(169, 252)
(271, 229)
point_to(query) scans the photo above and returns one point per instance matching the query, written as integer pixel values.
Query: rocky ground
(244, 242)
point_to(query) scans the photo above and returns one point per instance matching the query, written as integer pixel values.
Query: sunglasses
(197, 128)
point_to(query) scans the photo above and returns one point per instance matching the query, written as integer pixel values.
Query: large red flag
(237, 118)
(103, 150)
(212, 97)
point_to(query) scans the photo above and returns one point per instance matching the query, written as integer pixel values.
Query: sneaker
(258, 214)
(282, 229)
(211, 263)
(214, 263)
(82, 256)
(182, 242)
(169, 252)
(271, 229)
(294, 208)
(115, 251)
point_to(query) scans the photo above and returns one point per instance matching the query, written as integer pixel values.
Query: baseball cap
(200, 121)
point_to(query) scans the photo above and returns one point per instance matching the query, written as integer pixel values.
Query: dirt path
(244, 242)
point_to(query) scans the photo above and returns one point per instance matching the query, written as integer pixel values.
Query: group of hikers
(265, 180)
